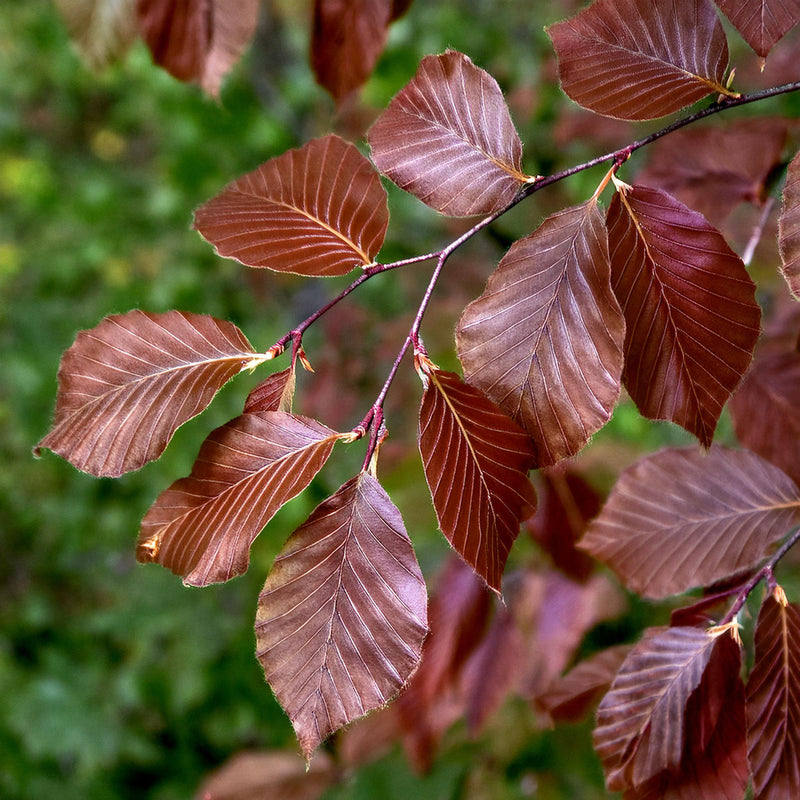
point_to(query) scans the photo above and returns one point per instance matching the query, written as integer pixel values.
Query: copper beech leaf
(273, 394)
(692, 321)
(789, 228)
(101, 30)
(681, 518)
(773, 702)
(544, 341)
(476, 464)
(319, 210)
(202, 526)
(448, 139)
(641, 59)
(761, 22)
(125, 386)
(343, 614)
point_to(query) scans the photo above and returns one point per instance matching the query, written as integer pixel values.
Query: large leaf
(544, 341)
(476, 464)
(202, 526)
(680, 519)
(448, 139)
(318, 210)
(641, 59)
(761, 22)
(102, 30)
(773, 703)
(789, 232)
(690, 310)
(343, 614)
(125, 386)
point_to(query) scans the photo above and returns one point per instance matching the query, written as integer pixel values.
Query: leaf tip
(779, 595)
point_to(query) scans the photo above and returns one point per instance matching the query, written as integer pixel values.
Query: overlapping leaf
(789, 232)
(448, 139)
(202, 526)
(761, 22)
(101, 30)
(125, 386)
(476, 464)
(273, 394)
(343, 614)
(544, 341)
(680, 519)
(690, 311)
(641, 59)
(318, 210)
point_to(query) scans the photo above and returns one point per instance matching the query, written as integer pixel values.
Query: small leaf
(680, 519)
(544, 341)
(125, 386)
(273, 394)
(101, 30)
(448, 139)
(761, 22)
(202, 526)
(476, 464)
(692, 321)
(641, 59)
(319, 210)
(343, 614)
(789, 230)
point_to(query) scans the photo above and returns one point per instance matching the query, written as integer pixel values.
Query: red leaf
(680, 519)
(448, 139)
(641, 59)
(319, 210)
(789, 235)
(692, 320)
(545, 339)
(343, 614)
(761, 22)
(273, 394)
(202, 526)
(476, 464)
(127, 385)
(101, 30)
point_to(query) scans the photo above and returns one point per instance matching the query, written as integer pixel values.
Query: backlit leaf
(448, 139)
(681, 518)
(343, 614)
(318, 210)
(789, 235)
(761, 22)
(125, 386)
(690, 311)
(641, 59)
(544, 341)
(476, 464)
(202, 527)
(273, 394)
(101, 30)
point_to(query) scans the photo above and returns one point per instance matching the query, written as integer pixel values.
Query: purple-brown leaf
(641, 59)
(125, 386)
(448, 139)
(318, 210)
(343, 614)
(544, 341)
(273, 394)
(682, 518)
(692, 321)
(202, 527)
(789, 230)
(101, 30)
(761, 22)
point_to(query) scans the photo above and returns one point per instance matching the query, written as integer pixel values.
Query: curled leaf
(789, 230)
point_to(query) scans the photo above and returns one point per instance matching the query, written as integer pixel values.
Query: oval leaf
(789, 228)
(202, 526)
(761, 22)
(126, 386)
(641, 59)
(680, 519)
(448, 139)
(692, 321)
(319, 210)
(101, 30)
(544, 341)
(343, 614)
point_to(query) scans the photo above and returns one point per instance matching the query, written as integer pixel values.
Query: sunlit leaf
(476, 464)
(343, 614)
(101, 30)
(690, 311)
(681, 518)
(641, 59)
(318, 210)
(789, 236)
(448, 139)
(544, 341)
(126, 386)
(273, 394)
(202, 526)
(761, 22)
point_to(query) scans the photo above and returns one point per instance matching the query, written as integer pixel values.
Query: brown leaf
(476, 464)
(318, 210)
(544, 341)
(789, 230)
(273, 394)
(448, 139)
(343, 614)
(125, 386)
(101, 30)
(690, 310)
(681, 518)
(761, 22)
(202, 526)
(641, 59)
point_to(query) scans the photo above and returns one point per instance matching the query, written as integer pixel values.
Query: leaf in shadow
(789, 228)
(273, 394)
(761, 22)
(101, 30)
